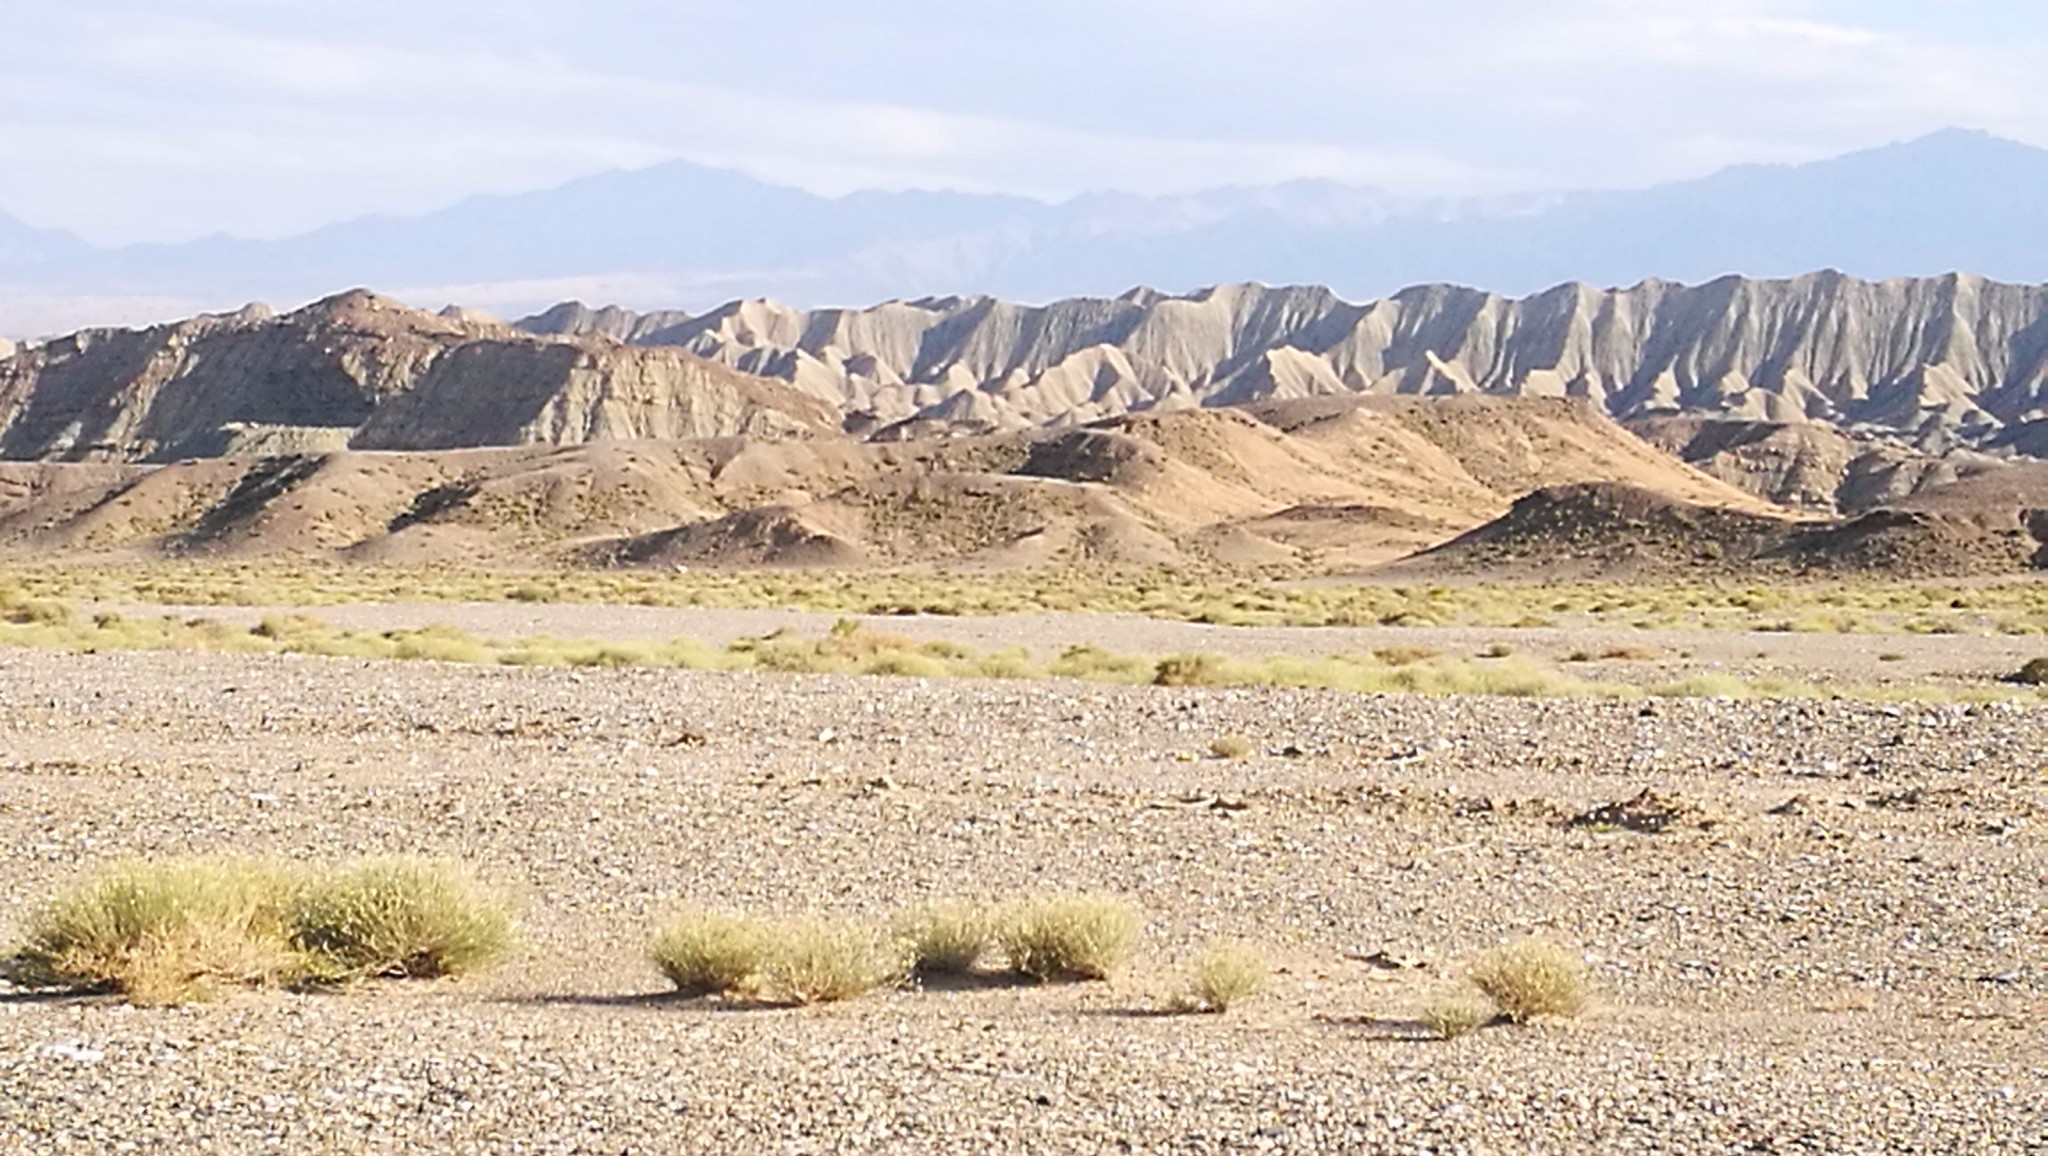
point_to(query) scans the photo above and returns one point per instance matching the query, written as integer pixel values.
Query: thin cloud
(263, 119)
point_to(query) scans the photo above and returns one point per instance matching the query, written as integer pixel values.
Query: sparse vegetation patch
(397, 918)
(1457, 1016)
(1070, 937)
(1226, 975)
(1534, 978)
(712, 954)
(183, 930)
(949, 938)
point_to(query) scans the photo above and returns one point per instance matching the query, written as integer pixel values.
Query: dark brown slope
(1996, 523)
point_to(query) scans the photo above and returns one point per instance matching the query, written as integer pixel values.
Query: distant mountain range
(683, 235)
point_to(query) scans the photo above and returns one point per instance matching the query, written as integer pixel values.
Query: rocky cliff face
(1939, 362)
(366, 373)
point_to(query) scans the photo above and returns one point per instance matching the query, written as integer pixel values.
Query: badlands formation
(1821, 423)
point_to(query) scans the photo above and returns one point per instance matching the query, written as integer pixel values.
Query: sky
(164, 120)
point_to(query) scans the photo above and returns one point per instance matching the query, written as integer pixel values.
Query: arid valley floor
(1838, 944)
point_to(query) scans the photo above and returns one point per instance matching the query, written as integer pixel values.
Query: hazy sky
(165, 119)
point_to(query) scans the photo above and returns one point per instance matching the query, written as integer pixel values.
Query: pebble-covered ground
(1839, 946)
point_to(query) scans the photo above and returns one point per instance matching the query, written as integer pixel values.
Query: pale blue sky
(165, 119)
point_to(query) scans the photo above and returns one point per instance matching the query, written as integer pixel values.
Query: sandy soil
(1852, 956)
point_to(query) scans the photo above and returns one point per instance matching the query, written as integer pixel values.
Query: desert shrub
(1497, 650)
(1095, 664)
(163, 933)
(904, 664)
(438, 644)
(1012, 663)
(1404, 655)
(1192, 670)
(1532, 978)
(531, 592)
(1225, 976)
(712, 954)
(35, 612)
(401, 918)
(1231, 747)
(1451, 1018)
(948, 938)
(1070, 937)
(810, 963)
(2034, 673)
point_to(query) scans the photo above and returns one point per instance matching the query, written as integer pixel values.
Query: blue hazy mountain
(681, 235)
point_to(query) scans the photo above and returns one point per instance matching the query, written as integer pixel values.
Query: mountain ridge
(1942, 362)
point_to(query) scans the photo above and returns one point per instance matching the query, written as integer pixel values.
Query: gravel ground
(1840, 946)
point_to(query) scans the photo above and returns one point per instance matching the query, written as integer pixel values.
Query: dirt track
(1853, 958)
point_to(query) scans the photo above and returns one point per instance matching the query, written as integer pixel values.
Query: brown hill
(1607, 531)
(1320, 484)
(358, 371)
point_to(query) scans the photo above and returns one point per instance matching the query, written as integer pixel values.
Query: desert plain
(1821, 931)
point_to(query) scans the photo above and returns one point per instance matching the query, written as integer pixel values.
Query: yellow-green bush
(811, 963)
(1226, 975)
(397, 918)
(948, 938)
(174, 931)
(163, 933)
(1532, 978)
(712, 954)
(1069, 937)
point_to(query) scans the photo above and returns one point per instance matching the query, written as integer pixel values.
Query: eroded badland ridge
(1241, 425)
(1939, 362)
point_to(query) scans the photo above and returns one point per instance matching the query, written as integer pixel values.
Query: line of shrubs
(183, 930)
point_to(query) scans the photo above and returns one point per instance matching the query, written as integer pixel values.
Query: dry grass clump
(1226, 975)
(794, 963)
(173, 932)
(712, 954)
(811, 963)
(1069, 937)
(1097, 665)
(1531, 979)
(1195, 670)
(948, 938)
(163, 933)
(397, 918)
(1405, 655)
(1451, 1018)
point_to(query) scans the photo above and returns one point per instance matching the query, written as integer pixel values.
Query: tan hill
(1323, 484)
(1935, 362)
(357, 371)
(1808, 465)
